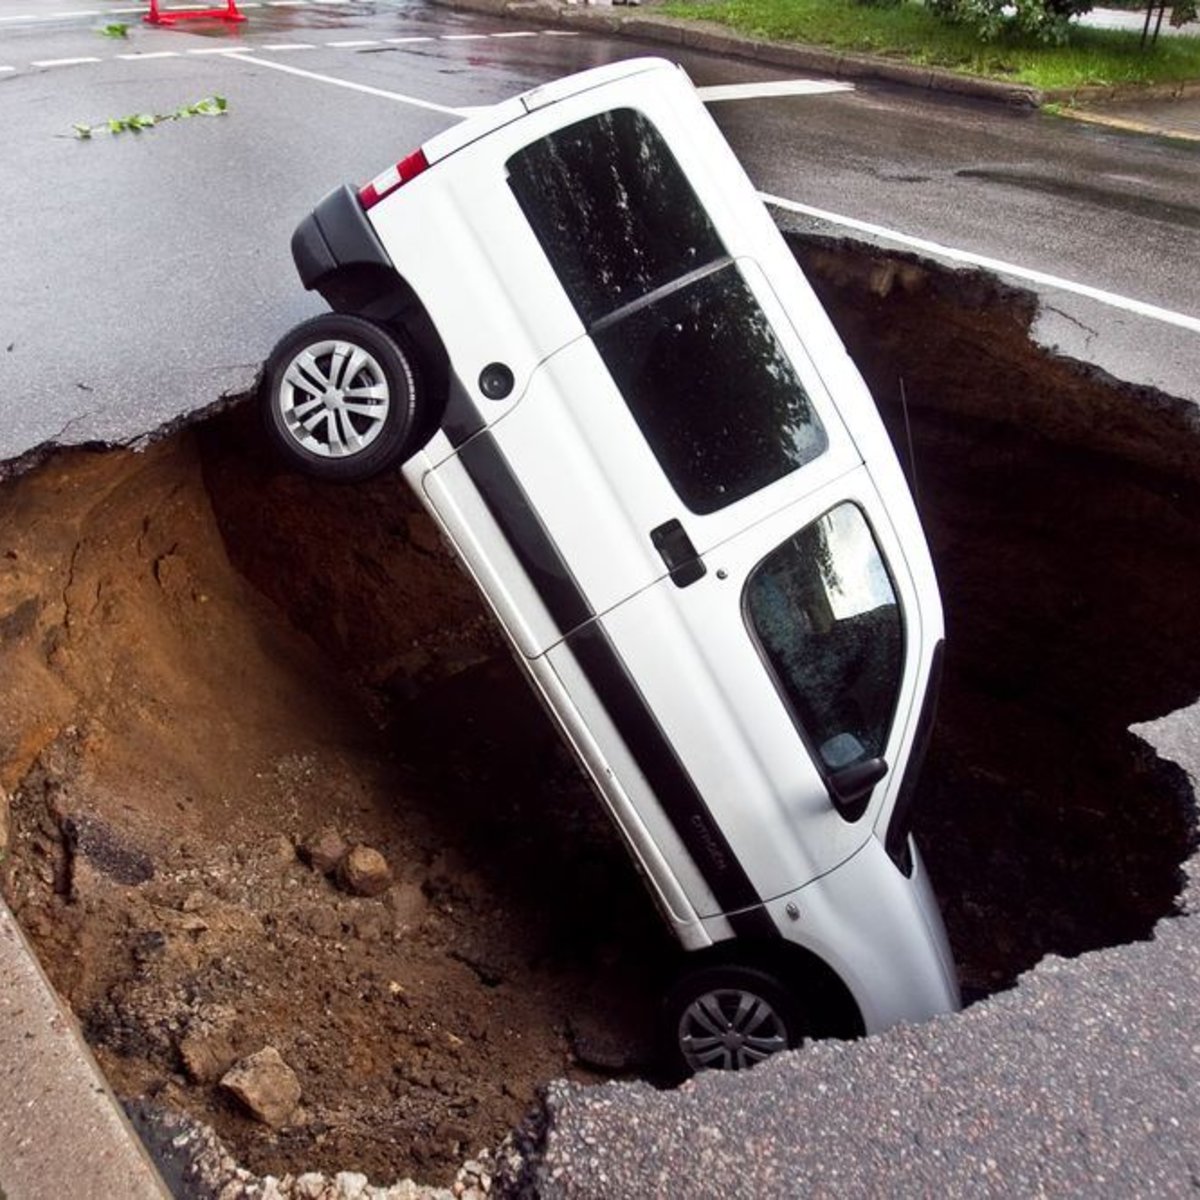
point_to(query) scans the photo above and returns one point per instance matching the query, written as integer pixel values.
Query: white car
(574, 322)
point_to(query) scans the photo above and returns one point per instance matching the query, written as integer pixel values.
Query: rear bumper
(336, 235)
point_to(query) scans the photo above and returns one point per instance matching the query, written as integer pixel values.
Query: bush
(1047, 21)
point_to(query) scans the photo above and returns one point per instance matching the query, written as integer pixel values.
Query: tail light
(383, 185)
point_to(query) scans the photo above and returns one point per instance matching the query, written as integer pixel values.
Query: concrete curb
(716, 39)
(62, 1132)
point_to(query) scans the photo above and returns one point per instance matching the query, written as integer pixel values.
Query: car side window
(711, 389)
(613, 211)
(825, 613)
(686, 342)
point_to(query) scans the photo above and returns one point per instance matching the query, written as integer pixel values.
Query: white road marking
(999, 266)
(763, 91)
(353, 87)
(518, 33)
(560, 33)
(62, 62)
(462, 37)
(62, 16)
(4, 69)
(151, 54)
(353, 44)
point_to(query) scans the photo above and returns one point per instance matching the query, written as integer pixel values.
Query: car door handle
(672, 542)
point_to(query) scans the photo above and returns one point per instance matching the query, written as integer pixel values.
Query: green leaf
(83, 132)
(115, 124)
(117, 29)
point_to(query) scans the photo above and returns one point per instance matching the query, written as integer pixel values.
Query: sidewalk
(62, 1132)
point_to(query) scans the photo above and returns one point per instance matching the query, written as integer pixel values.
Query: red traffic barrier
(157, 17)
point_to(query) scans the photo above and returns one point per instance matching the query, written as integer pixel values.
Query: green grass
(911, 33)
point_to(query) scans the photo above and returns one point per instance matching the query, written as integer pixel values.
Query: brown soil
(169, 737)
(203, 660)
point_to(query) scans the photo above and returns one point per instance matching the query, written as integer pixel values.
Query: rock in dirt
(206, 1058)
(323, 850)
(266, 1085)
(365, 872)
(408, 904)
(95, 847)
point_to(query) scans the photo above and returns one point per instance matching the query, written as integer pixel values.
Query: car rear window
(612, 210)
(711, 389)
(825, 613)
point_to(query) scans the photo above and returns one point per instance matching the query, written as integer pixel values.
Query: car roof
(483, 121)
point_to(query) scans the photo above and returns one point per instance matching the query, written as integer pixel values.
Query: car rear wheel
(341, 398)
(729, 1018)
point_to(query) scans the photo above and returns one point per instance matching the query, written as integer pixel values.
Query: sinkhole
(206, 660)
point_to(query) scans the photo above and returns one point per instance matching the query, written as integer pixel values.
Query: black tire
(341, 398)
(728, 1018)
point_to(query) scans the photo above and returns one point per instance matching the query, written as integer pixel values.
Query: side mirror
(850, 788)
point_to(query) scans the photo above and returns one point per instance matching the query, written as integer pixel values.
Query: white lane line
(62, 62)
(461, 37)
(519, 33)
(559, 33)
(1140, 307)
(353, 45)
(62, 16)
(762, 91)
(353, 87)
(150, 54)
(5, 69)
(282, 47)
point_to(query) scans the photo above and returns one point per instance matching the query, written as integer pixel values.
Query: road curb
(62, 1131)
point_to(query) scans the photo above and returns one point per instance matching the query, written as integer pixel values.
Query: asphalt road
(145, 275)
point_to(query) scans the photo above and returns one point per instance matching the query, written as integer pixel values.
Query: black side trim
(658, 762)
(896, 841)
(461, 420)
(526, 535)
(336, 234)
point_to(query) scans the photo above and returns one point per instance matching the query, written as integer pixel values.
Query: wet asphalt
(146, 275)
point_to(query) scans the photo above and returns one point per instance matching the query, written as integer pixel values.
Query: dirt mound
(170, 740)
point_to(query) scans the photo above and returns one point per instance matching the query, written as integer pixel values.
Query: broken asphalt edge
(708, 36)
(62, 1131)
